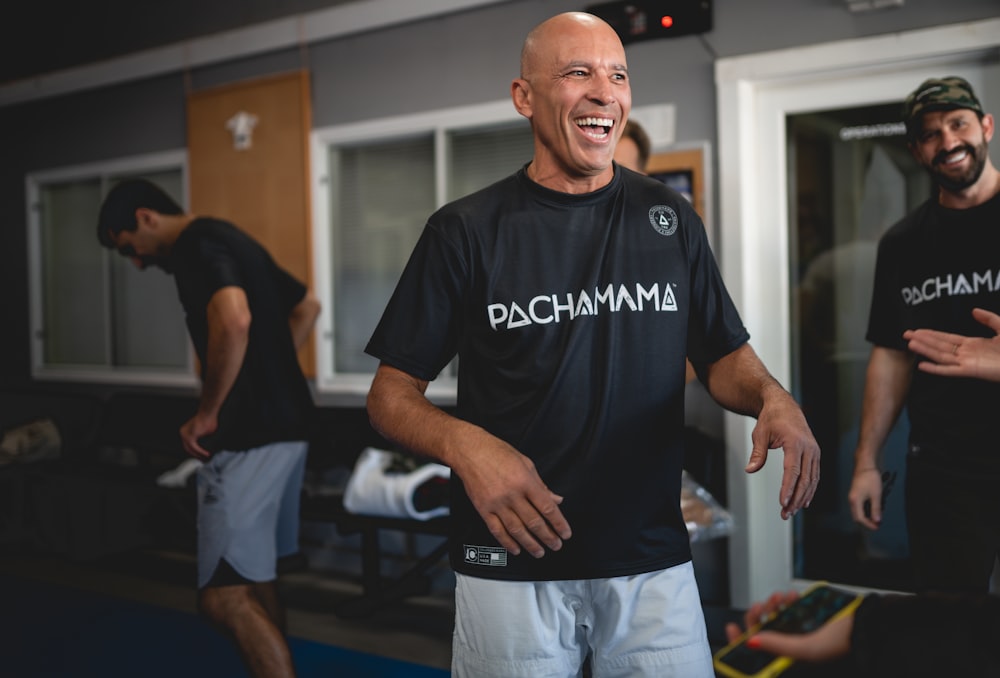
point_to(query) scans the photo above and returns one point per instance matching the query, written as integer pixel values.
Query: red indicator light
(666, 21)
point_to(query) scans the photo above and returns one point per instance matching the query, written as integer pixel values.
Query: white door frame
(755, 93)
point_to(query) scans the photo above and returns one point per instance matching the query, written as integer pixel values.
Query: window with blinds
(95, 317)
(381, 195)
(479, 158)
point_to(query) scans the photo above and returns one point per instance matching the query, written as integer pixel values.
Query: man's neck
(174, 225)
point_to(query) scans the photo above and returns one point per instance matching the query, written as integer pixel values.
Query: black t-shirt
(933, 268)
(571, 316)
(926, 636)
(270, 401)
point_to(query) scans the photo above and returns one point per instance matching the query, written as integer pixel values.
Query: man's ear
(988, 126)
(520, 93)
(145, 216)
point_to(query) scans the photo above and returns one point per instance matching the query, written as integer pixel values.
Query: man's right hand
(866, 491)
(193, 430)
(518, 508)
(503, 484)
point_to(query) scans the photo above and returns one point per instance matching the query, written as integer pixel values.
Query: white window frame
(34, 182)
(755, 92)
(439, 123)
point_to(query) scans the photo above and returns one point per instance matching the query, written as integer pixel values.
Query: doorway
(774, 109)
(850, 178)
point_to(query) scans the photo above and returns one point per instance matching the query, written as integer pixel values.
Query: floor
(416, 630)
(322, 605)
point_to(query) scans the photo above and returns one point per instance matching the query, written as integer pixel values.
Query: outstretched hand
(954, 355)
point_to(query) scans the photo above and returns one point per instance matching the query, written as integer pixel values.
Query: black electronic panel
(634, 21)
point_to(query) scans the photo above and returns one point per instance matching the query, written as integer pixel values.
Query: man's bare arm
(741, 383)
(503, 485)
(228, 335)
(302, 319)
(887, 381)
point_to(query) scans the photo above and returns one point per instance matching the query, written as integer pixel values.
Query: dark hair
(118, 210)
(636, 133)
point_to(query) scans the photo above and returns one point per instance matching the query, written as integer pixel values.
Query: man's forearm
(887, 381)
(741, 383)
(228, 336)
(400, 412)
(302, 319)
(226, 351)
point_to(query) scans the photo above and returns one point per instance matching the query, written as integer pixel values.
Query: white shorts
(642, 625)
(248, 509)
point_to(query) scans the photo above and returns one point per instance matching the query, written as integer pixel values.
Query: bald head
(549, 32)
(574, 89)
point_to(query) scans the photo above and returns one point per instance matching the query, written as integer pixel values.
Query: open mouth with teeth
(953, 157)
(596, 128)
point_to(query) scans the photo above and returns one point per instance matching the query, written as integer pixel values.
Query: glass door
(850, 177)
(783, 231)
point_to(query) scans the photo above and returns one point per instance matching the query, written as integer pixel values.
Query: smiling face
(952, 146)
(574, 89)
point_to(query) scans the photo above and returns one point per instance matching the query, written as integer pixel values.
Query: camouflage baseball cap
(939, 94)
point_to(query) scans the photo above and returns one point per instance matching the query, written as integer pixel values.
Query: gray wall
(459, 60)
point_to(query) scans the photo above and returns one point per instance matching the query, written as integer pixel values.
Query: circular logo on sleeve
(663, 219)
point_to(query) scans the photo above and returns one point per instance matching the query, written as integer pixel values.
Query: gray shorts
(641, 625)
(248, 509)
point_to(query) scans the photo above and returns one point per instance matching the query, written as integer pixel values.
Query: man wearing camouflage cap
(934, 267)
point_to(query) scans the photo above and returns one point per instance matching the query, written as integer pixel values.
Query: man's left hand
(781, 424)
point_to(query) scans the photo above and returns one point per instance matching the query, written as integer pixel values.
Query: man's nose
(603, 92)
(950, 139)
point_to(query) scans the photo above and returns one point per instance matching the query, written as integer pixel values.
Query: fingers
(760, 611)
(829, 641)
(788, 645)
(531, 524)
(733, 631)
(941, 347)
(192, 447)
(800, 478)
(510, 532)
(758, 455)
(866, 492)
(784, 426)
(988, 318)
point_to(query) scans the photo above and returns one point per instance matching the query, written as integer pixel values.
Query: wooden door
(248, 162)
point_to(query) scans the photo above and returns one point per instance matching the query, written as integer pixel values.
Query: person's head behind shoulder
(574, 89)
(633, 148)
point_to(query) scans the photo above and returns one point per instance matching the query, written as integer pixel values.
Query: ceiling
(51, 35)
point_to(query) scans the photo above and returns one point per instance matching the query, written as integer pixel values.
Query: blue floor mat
(51, 631)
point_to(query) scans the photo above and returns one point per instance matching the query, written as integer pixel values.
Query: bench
(377, 589)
